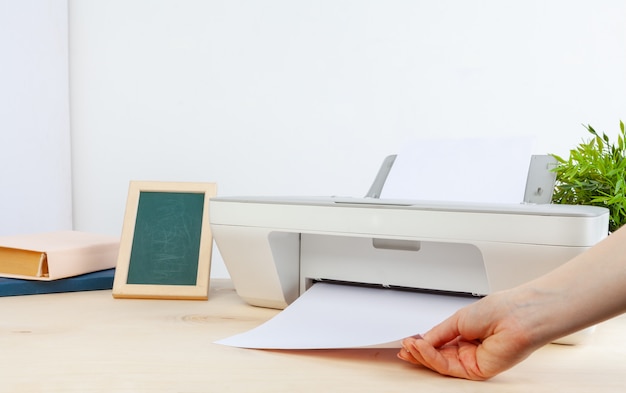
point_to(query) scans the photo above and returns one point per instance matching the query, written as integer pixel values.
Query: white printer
(275, 247)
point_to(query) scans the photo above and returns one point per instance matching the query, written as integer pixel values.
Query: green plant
(595, 174)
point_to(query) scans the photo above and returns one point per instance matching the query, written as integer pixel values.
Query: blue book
(102, 279)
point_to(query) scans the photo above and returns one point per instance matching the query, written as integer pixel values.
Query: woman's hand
(477, 342)
(502, 329)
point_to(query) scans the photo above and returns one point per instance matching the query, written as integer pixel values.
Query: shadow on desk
(379, 355)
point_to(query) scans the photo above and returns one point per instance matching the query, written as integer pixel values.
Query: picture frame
(166, 242)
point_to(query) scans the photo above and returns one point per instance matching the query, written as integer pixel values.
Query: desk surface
(90, 342)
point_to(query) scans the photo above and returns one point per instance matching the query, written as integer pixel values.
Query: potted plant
(595, 174)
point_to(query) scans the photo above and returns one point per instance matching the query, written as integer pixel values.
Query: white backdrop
(283, 97)
(35, 161)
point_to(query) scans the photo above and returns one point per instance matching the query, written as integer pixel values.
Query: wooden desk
(90, 342)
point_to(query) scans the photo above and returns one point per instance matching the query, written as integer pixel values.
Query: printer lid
(404, 204)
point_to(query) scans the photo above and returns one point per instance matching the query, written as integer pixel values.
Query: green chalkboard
(165, 250)
(166, 242)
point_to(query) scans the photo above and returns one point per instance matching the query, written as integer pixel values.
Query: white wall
(35, 161)
(281, 97)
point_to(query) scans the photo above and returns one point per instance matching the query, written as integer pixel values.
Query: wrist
(544, 315)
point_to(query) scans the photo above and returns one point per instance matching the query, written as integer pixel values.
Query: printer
(275, 248)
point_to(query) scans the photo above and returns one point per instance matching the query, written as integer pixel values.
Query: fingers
(405, 353)
(417, 351)
(466, 345)
(447, 360)
(425, 354)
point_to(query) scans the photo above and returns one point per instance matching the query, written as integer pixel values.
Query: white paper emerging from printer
(490, 170)
(344, 316)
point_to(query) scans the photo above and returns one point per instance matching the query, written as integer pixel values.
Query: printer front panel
(427, 265)
(263, 264)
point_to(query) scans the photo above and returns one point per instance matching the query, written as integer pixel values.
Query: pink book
(53, 255)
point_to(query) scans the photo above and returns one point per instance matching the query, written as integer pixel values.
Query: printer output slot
(310, 282)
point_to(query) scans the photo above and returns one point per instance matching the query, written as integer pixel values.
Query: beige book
(53, 255)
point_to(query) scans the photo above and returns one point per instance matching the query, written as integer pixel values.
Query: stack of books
(53, 262)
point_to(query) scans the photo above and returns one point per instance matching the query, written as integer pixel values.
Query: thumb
(444, 332)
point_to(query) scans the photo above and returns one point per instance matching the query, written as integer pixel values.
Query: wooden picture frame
(166, 243)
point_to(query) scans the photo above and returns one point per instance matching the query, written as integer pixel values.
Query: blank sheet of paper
(469, 169)
(344, 316)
